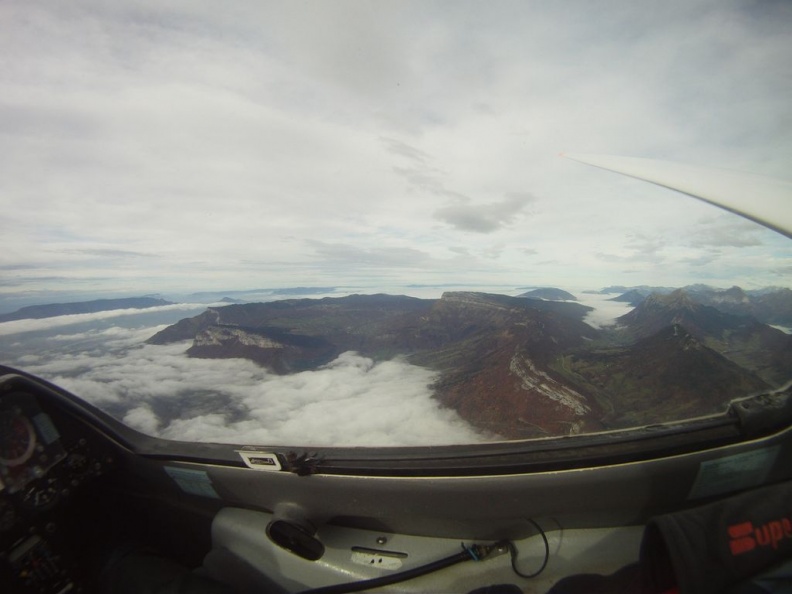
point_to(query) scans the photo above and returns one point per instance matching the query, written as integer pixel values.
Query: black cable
(476, 552)
(472, 553)
(513, 553)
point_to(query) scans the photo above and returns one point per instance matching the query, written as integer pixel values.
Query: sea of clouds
(605, 311)
(159, 390)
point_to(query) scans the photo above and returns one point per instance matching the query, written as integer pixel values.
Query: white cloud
(371, 256)
(113, 337)
(161, 391)
(353, 401)
(605, 311)
(729, 233)
(143, 419)
(35, 325)
(482, 218)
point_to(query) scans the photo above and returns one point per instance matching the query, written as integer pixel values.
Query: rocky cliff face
(495, 364)
(186, 329)
(279, 351)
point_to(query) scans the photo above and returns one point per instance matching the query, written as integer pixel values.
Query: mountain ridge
(741, 338)
(515, 367)
(51, 310)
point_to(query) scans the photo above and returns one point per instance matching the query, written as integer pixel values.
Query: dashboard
(48, 459)
(77, 486)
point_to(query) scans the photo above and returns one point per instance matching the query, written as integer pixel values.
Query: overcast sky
(160, 147)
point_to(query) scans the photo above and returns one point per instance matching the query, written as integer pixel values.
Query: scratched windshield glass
(350, 223)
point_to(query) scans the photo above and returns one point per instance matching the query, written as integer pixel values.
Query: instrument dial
(17, 438)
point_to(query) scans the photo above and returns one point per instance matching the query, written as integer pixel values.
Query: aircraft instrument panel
(29, 442)
(46, 457)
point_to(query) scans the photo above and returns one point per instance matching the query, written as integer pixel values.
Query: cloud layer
(35, 325)
(160, 391)
(482, 218)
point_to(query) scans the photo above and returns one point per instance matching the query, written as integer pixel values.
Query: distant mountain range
(741, 338)
(645, 289)
(518, 367)
(633, 297)
(673, 357)
(82, 307)
(772, 305)
(250, 295)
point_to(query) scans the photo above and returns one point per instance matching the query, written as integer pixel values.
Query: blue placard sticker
(46, 428)
(734, 473)
(194, 482)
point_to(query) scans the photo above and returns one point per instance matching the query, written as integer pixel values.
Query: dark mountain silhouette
(668, 375)
(549, 294)
(770, 306)
(303, 290)
(82, 307)
(300, 334)
(773, 307)
(645, 289)
(742, 339)
(661, 311)
(633, 297)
